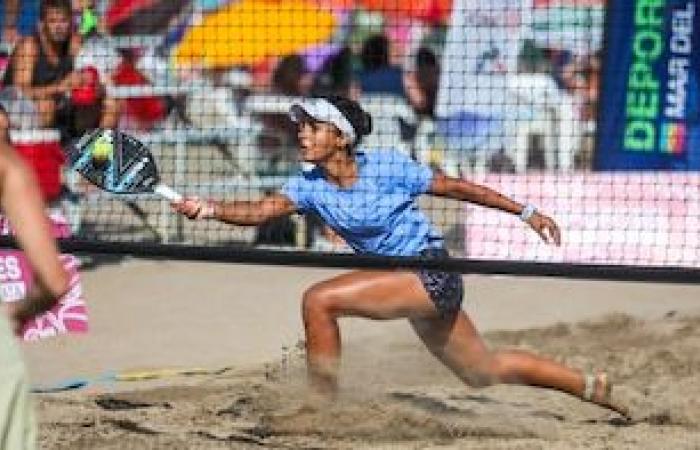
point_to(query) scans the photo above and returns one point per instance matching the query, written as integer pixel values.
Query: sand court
(245, 320)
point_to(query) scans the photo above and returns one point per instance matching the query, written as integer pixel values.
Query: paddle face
(114, 161)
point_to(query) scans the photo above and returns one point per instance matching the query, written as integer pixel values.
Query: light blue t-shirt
(378, 214)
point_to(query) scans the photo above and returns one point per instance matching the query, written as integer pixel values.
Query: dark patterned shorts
(446, 289)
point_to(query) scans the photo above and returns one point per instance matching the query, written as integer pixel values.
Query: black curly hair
(360, 119)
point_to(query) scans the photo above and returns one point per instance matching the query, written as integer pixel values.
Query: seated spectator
(42, 68)
(581, 78)
(378, 75)
(142, 113)
(291, 77)
(335, 77)
(422, 84)
(10, 33)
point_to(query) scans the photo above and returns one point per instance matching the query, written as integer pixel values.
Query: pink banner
(644, 219)
(69, 315)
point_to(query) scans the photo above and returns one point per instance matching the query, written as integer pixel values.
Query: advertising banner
(630, 218)
(649, 108)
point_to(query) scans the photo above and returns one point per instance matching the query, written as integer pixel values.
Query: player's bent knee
(503, 368)
(480, 375)
(318, 301)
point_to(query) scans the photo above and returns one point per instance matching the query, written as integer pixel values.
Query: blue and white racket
(119, 163)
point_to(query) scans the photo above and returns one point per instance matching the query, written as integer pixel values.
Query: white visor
(324, 111)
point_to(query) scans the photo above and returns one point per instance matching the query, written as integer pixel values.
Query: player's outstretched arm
(458, 189)
(21, 202)
(236, 212)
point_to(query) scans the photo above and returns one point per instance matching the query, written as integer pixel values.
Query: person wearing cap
(369, 198)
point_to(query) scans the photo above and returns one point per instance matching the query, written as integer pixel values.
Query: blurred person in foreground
(21, 202)
(42, 68)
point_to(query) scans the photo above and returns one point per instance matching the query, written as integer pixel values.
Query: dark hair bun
(366, 124)
(360, 120)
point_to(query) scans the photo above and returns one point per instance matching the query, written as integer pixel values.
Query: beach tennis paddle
(119, 163)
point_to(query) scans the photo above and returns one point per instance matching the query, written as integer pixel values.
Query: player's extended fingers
(542, 231)
(193, 209)
(179, 206)
(555, 232)
(189, 207)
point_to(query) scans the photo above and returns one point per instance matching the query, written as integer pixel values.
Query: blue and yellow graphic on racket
(118, 163)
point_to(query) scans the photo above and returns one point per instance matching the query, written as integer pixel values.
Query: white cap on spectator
(322, 110)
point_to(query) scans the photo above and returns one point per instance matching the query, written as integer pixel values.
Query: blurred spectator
(533, 59)
(17, 18)
(335, 77)
(378, 75)
(42, 68)
(581, 77)
(141, 113)
(422, 84)
(291, 77)
(561, 64)
(10, 33)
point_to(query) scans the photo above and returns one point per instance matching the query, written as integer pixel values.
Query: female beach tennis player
(369, 198)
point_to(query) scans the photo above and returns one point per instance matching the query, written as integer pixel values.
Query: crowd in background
(369, 60)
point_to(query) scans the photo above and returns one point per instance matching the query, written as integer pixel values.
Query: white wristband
(527, 212)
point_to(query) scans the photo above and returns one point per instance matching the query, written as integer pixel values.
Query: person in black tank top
(44, 72)
(42, 69)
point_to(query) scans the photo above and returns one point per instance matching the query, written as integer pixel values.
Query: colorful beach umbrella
(249, 31)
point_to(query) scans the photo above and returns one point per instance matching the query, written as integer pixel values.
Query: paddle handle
(167, 192)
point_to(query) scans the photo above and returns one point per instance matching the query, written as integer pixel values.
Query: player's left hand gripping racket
(118, 163)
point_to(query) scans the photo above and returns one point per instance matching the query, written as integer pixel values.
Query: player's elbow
(271, 209)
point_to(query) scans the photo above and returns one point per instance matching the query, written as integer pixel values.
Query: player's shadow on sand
(472, 405)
